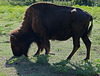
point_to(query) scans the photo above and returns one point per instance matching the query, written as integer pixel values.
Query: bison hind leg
(88, 46)
(76, 43)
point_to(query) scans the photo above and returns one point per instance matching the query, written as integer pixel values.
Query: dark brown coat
(44, 21)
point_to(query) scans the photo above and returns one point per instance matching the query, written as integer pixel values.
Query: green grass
(1, 74)
(52, 65)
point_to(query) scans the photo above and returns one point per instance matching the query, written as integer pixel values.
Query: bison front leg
(88, 46)
(76, 43)
(47, 47)
(40, 49)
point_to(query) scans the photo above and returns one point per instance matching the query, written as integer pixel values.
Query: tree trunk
(85, 1)
(33, 1)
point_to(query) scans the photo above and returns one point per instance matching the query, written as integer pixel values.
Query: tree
(33, 1)
(84, 1)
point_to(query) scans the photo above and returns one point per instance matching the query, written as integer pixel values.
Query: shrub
(83, 2)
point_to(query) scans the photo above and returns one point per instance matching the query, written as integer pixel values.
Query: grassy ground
(52, 65)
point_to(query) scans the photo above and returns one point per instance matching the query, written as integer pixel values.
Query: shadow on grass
(40, 66)
(35, 66)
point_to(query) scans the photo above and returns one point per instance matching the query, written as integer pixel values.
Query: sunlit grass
(11, 13)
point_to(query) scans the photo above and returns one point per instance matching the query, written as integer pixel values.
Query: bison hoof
(86, 59)
(26, 55)
(68, 59)
(35, 55)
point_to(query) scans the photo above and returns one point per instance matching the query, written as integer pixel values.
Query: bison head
(19, 47)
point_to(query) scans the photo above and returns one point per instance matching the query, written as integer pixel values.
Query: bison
(46, 21)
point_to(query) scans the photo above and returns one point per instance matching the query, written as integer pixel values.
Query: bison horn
(11, 35)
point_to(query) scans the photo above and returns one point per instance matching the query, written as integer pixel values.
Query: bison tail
(91, 26)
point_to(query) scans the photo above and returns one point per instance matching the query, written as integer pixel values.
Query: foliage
(11, 13)
(61, 66)
(82, 2)
(1, 74)
(85, 68)
(16, 60)
(42, 59)
(61, 2)
(16, 2)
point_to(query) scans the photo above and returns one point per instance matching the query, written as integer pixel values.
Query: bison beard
(44, 21)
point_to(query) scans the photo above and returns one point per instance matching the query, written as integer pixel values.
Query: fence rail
(59, 2)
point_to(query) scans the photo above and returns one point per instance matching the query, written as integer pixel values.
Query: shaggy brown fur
(45, 21)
